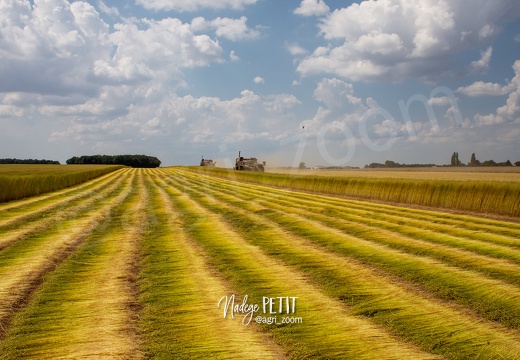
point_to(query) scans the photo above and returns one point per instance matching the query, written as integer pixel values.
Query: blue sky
(319, 81)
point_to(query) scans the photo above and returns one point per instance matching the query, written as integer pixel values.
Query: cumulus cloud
(231, 29)
(312, 8)
(483, 62)
(259, 80)
(334, 93)
(50, 47)
(396, 39)
(193, 5)
(510, 111)
(480, 88)
(189, 119)
(61, 48)
(295, 49)
(439, 101)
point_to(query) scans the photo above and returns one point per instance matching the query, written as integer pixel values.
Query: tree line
(455, 161)
(474, 162)
(28, 161)
(393, 164)
(135, 161)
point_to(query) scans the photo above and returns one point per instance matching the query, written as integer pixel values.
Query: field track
(133, 264)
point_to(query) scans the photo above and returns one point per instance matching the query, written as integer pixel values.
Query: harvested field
(140, 263)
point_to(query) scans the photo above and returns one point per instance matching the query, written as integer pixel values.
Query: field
(20, 181)
(484, 173)
(141, 263)
(448, 190)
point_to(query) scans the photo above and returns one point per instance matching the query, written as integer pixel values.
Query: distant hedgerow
(28, 161)
(135, 161)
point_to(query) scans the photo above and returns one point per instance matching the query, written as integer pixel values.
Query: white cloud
(487, 31)
(62, 48)
(188, 119)
(312, 8)
(50, 48)
(439, 101)
(231, 29)
(510, 112)
(193, 5)
(480, 88)
(397, 39)
(295, 49)
(109, 10)
(258, 80)
(233, 56)
(334, 92)
(483, 62)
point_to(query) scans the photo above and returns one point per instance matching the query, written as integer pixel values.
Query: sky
(324, 82)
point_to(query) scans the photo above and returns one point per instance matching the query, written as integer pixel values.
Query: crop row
(21, 181)
(133, 265)
(450, 274)
(501, 198)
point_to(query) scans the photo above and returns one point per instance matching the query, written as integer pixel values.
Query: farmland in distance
(139, 263)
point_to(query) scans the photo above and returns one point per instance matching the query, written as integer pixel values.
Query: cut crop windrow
(365, 291)
(36, 220)
(500, 198)
(472, 255)
(493, 299)
(24, 264)
(399, 236)
(133, 264)
(456, 225)
(425, 230)
(90, 296)
(255, 274)
(6, 209)
(404, 312)
(20, 184)
(180, 292)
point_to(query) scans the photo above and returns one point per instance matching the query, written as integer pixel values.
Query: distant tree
(517, 163)
(489, 163)
(474, 161)
(302, 165)
(455, 159)
(391, 164)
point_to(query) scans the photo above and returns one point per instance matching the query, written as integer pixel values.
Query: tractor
(248, 164)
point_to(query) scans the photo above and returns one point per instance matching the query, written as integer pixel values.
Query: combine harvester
(207, 162)
(248, 164)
